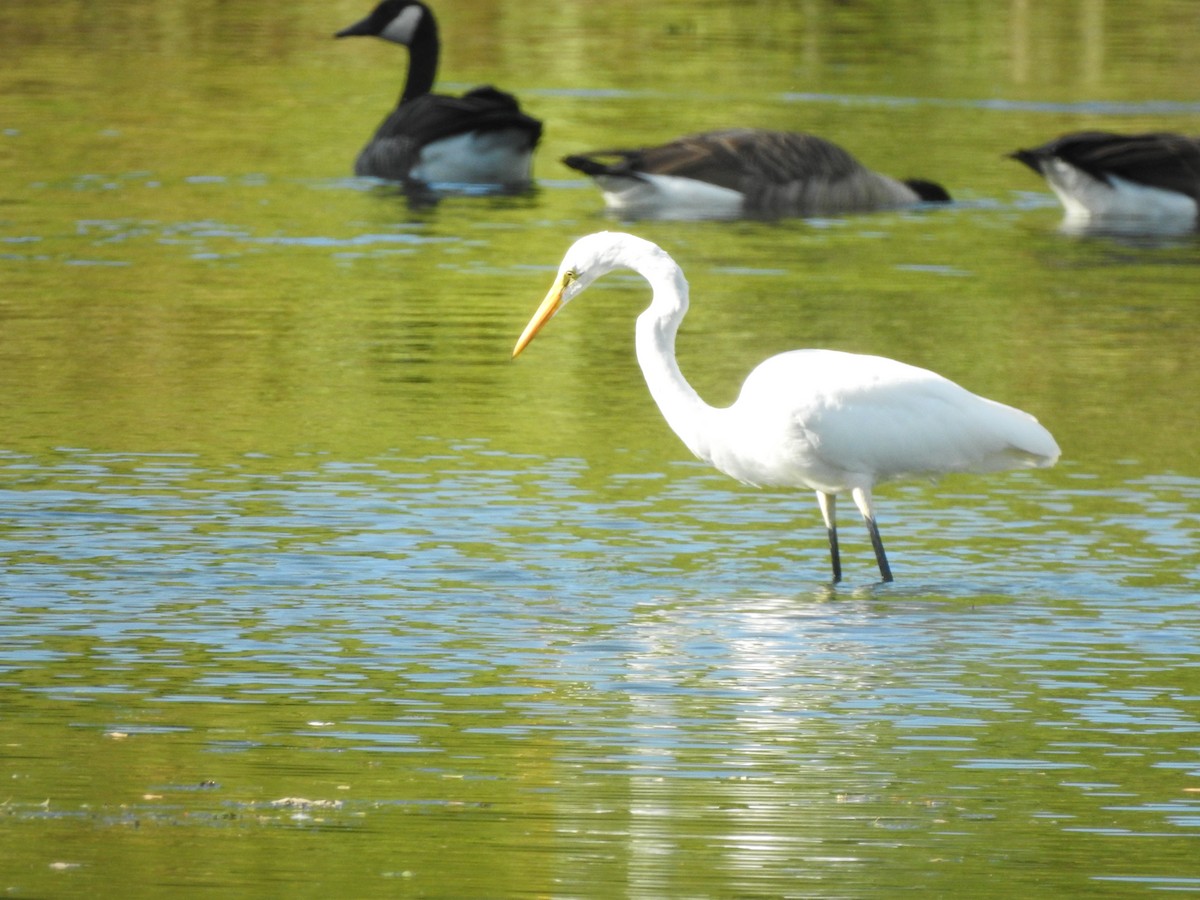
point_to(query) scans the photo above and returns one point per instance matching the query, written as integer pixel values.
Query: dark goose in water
(745, 171)
(480, 138)
(1098, 175)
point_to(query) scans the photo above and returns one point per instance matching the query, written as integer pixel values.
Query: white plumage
(823, 420)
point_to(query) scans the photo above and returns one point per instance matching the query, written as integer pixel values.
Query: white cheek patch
(402, 28)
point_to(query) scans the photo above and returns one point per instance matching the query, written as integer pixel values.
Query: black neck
(422, 59)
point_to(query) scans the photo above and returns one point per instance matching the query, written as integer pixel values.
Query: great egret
(1098, 175)
(480, 138)
(745, 172)
(819, 419)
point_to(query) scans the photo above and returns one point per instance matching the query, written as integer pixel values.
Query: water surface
(308, 589)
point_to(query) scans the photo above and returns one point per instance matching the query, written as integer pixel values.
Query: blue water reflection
(645, 632)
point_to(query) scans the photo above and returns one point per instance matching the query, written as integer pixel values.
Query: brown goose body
(746, 171)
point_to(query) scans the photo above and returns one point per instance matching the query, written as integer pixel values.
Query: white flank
(491, 157)
(1085, 198)
(669, 197)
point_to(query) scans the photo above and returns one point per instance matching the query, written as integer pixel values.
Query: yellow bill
(544, 314)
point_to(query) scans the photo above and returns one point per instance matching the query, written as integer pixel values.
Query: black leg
(884, 569)
(862, 499)
(834, 555)
(828, 504)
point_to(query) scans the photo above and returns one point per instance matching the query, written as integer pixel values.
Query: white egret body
(819, 419)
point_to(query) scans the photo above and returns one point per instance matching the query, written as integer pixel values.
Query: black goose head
(407, 22)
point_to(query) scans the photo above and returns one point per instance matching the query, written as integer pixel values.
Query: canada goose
(480, 138)
(1099, 175)
(745, 171)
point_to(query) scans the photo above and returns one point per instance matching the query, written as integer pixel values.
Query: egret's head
(588, 259)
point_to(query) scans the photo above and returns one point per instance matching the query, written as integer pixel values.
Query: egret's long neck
(682, 407)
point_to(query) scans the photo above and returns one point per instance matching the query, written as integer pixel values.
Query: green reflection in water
(282, 523)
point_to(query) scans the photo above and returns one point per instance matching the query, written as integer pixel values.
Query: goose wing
(1158, 159)
(432, 117)
(741, 159)
(397, 143)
